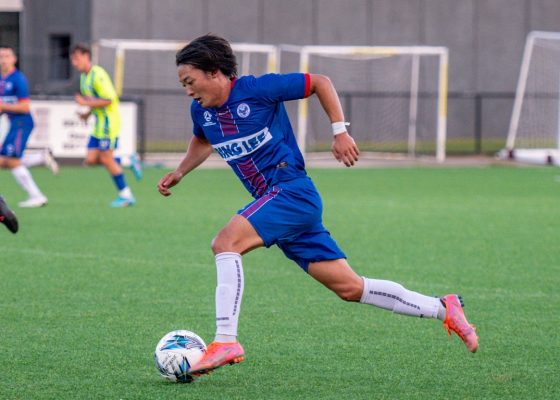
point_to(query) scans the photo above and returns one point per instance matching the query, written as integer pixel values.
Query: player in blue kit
(14, 102)
(244, 121)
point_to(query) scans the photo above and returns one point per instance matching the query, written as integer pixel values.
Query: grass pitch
(87, 291)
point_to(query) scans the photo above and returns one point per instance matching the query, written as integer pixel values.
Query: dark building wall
(42, 22)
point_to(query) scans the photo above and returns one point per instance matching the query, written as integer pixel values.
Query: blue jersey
(252, 132)
(13, 89)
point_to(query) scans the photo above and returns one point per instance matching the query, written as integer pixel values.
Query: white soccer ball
(176, 353)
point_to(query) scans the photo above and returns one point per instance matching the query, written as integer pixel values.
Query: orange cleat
(217, 355)
(456, 321)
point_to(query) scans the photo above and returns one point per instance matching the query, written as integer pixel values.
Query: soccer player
(245, 122)
(7, 216)
(98, 93)
(14, 102)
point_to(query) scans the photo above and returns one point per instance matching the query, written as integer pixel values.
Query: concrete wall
(485, 37)
(41, 19)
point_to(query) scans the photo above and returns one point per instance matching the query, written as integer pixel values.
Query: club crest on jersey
(208, 117)
(243, 110)
(237, 148)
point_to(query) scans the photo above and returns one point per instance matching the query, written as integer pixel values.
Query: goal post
(395, 97)
(146, 69)
(403, 95)
(534, 129)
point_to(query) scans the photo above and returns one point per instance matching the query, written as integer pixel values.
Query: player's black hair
(81, 48)
(209, 53)
(7, 46)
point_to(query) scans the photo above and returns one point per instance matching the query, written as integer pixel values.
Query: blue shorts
(290, 216)
(16, 139)
(103, 144)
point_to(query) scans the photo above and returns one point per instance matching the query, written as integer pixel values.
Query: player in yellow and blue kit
(14, 102)
(98, 93)
(245, 122)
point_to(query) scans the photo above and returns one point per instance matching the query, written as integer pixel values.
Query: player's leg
(279, 214)
(43, 157)
(338, 276)
(136, 167)
(92, 155)
(235, 239)
(106, 157)
(7, 216)
(10, 155)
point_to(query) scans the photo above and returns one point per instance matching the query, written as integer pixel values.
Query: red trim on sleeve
(233, 82)
(307, 85)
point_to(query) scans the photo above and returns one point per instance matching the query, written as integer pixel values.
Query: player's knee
(219, 244)
(225, 242)
(349, 291)
(90, 161)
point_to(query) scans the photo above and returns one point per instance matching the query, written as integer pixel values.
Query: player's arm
(21, 107)
(92, 102)
(198, 151)
(344, 148)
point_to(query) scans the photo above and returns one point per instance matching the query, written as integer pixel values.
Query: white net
(535, 121)
(149, 74)
(391, 97)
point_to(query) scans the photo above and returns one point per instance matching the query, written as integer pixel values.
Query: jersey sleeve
(102, 85)
(22, 88)
(282, 87)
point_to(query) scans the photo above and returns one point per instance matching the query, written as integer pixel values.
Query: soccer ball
(176, 353)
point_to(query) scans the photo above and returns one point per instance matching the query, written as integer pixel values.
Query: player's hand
(81, 100)
(345, 149)
(83, 116)
(168, 181)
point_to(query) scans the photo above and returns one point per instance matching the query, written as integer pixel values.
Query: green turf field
(87, 291)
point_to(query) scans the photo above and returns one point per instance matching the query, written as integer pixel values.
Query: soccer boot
(7, 217)
(456, 321)
(136, 167)
(34, 202)
(217, 355)
(120, 202)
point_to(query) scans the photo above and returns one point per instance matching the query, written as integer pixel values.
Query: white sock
(25, 180)
(229, 293)
(394, 297)
(125, 193)
(33, 159)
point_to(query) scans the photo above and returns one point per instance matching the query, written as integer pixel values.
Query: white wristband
(339, 127)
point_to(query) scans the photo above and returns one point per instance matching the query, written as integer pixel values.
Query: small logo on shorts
(243, 110)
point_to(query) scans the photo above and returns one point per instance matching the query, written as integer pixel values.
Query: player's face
(80, 61)
(204, 87)
(7, 59)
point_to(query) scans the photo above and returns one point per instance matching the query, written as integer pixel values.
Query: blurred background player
(99, 95)
(244, 120)
(14, 102)
(37, 157)
(7, 216)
